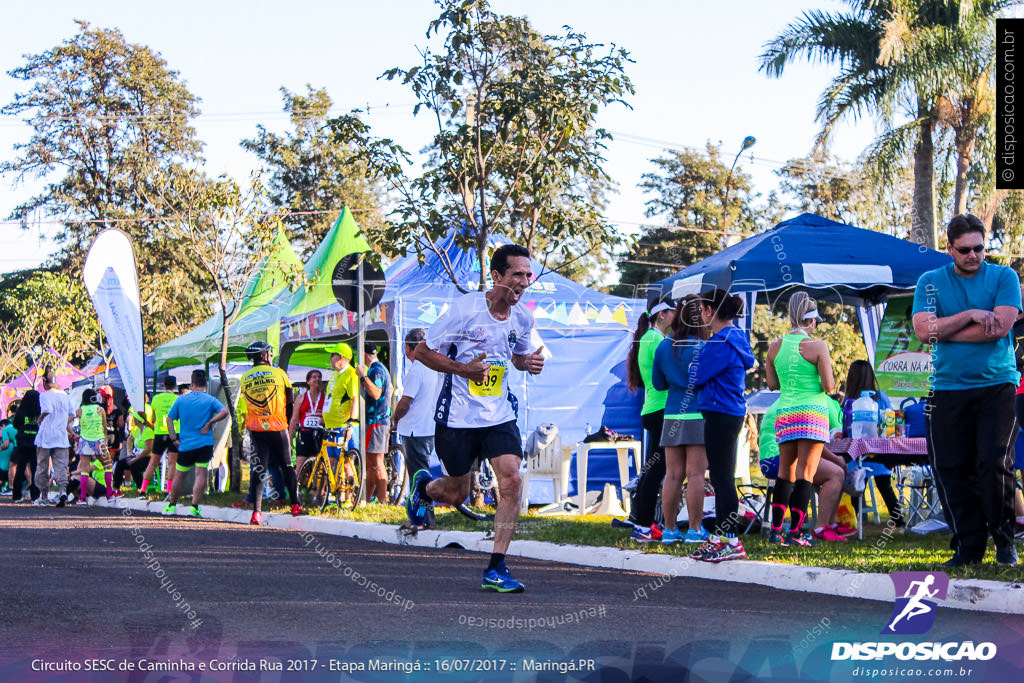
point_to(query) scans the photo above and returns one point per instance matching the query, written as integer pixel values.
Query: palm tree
(929, 59)
(947, 51)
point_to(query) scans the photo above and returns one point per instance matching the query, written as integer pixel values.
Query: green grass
(881, 551)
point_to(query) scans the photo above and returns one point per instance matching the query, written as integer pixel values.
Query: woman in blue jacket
(720, 371)
(682, 435)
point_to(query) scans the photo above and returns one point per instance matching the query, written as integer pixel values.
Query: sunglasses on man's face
(967, 250)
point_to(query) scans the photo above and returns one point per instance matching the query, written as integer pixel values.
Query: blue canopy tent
(586, 332)
(829, 260)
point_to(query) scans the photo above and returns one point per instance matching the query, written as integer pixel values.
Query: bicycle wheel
(394, 462)
(312, 483)
(351, 484)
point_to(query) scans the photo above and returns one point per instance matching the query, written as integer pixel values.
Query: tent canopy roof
(267, 298)
(836, 262)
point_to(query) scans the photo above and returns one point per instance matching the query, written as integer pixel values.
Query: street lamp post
(748, 142)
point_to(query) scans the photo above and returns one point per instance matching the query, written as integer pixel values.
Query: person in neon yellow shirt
(92, 443)
(342, 389)
(140, 448)
(162, 443)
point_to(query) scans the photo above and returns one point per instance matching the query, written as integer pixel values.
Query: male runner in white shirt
(472, 345)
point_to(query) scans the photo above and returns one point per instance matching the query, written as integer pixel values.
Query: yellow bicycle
(319, 480)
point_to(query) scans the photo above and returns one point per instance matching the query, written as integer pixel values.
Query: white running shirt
(465, 331)
(53, 430)
(421, 385)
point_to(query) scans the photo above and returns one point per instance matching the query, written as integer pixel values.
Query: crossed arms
(973, 325)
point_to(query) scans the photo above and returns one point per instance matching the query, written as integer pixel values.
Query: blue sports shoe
(500, 580)
(415, 507)
(698, 535)
(671, 536)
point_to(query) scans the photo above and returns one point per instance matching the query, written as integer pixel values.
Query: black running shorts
(458, 448)
(307, 443)
(162, 444)
(200, 456)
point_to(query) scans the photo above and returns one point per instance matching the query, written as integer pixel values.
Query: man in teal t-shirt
(966, 310)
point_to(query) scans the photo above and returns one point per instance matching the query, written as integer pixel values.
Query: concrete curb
(967, 594)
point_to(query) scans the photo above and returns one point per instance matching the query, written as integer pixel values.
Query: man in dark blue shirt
(375, 385)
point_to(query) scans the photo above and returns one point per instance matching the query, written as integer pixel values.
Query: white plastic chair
(550, 463)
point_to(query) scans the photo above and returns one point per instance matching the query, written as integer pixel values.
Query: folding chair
(759, 499)
(919, 498)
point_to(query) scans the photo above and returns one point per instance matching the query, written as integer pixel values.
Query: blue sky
(695, 74)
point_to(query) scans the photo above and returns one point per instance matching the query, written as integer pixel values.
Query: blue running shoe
(415, 507)
(500, 580)
(698, 535)
(671, 536)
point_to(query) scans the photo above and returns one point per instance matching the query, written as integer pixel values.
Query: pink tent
(64, 373)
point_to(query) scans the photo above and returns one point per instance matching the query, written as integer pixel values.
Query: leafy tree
(517, 151)
(688, 190)
(232, 235)
(109, 119)
(846, 193)
(49, 309)
(309, 172)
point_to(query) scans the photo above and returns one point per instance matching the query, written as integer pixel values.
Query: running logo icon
(917, 594)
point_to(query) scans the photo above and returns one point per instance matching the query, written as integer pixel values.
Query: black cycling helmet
(258, 350)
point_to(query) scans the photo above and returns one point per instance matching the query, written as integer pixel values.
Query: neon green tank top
(91, 424)
(798, 377)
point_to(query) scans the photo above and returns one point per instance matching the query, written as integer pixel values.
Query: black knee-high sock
(781, 495)
(798, 501)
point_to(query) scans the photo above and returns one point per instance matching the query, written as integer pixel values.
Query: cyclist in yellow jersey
(162, 443)
(342, 390)
(266, 398)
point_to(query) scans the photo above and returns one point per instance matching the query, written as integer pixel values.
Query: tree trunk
(988, 210)
(923, 216)
(965, 143)
(481, 252)
(235, 452)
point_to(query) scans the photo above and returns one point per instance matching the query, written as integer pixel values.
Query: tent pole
(360, 345)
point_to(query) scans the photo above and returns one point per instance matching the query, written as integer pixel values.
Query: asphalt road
(130, 589)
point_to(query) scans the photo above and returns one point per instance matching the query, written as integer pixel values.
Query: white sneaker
(40, 503)
(81, 503)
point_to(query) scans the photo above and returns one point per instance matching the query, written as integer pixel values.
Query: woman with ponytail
(682, 438)
(719, 372)
(652, 328)
(801, 368)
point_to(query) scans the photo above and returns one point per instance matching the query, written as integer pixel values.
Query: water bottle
(865, 417)
(588, 428)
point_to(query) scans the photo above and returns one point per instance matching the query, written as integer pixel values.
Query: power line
(366, 108)
(155, 219)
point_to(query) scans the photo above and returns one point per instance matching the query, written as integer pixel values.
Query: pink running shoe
(257, 519)
(829, 534)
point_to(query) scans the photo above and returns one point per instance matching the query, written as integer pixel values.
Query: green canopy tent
(267, 300)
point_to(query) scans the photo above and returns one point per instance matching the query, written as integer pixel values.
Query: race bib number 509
(490, 386)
